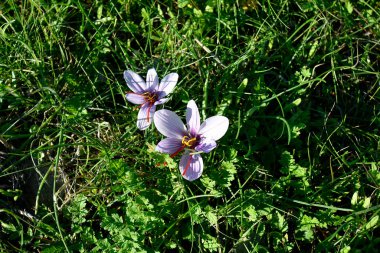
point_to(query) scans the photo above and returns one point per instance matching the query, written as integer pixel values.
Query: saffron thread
(187, 165)
(179, 150)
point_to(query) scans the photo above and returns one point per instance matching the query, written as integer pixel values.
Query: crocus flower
(193, 139)
(148, 94)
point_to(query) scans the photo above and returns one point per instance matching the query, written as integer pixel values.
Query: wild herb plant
(297, 170)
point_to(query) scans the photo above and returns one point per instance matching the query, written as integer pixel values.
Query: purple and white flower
(195, 139)
(148, 94)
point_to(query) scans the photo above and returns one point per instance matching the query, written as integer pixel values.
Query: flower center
(150, 97)
(188, 142)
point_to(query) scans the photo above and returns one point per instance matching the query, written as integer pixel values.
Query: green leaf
(197, 13)
(367, 202)
(183, 3)
(78, 211)
(307, 227)
(305, 72)
(8, 227)
(372, 222)
(54, 249)
(15, 194)
(241, 89)
(211, 216)
(293, 104)
(354, 199)
(346, 249)
(313, 48)
(210, 243)
(252, 214)
(348, 6)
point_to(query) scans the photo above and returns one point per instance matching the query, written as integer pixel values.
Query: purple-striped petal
(206, 145)
(191, 166)
(169, 145)
(169, 124)
(145, 116)
(214, 127)
(134, 81)
(192, 118)
(161, 101)
(151, 80)
(168, 83)
(135, 98)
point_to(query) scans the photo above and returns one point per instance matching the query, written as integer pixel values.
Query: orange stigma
(187, 165)
(150, 97)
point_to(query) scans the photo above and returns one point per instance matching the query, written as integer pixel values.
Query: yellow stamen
(187, 141)
(150, 97)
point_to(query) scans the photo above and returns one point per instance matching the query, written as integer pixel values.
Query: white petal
(145, 116)
(191, 166)
(168, 83)
(214, 127)
(192, 118)
(151, 80)
(134, 81)
(135, 98)
(161, 101)
(169, 124)
(169, 145)
(206, 145)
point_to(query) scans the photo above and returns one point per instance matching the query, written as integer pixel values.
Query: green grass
(298, 168)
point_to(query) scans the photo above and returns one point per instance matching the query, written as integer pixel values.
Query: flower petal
(169, 145)
(161, 101)
(145, 116)
(168, 83)
(134, 81)
(191, 166)
(169, 124)
(206, 145)
(214, 127)
(151, 79)
(135, 98)
(192, 118)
